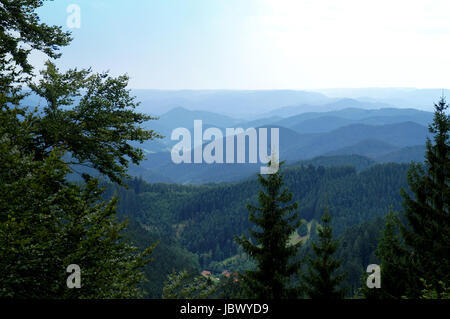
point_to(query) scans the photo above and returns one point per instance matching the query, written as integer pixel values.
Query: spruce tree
(322, 281)
(391, 254)
(276, 218)
(427, 232)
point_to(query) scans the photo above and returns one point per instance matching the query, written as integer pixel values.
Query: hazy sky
(261, 44)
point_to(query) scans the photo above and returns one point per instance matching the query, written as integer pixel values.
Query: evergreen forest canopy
(308, 231)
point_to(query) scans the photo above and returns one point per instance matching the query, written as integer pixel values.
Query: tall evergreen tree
(427, 232)
(276, 219)
(392, 255)
(322, 281)
(47, 223)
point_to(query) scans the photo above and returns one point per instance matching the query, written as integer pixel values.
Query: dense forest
(203, 219)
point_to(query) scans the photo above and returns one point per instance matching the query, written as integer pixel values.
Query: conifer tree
(276, 219)
(427, 232)
(392, 254)
(322, 281)
(185, 285)
(47, 224)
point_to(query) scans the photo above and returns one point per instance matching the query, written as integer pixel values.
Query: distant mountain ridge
(237, 103)
(372, 141)
(318, 122)
(422, 99)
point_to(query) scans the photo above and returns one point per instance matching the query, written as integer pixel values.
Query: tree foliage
(392, 255)
(322, 280)
(427, 232)
(46, 222)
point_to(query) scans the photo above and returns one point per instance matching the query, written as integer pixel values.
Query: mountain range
(397, 142)
(329, 124)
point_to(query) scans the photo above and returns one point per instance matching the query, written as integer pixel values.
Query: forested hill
(204, 219)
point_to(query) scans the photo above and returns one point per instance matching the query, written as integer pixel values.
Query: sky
(259, 44)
